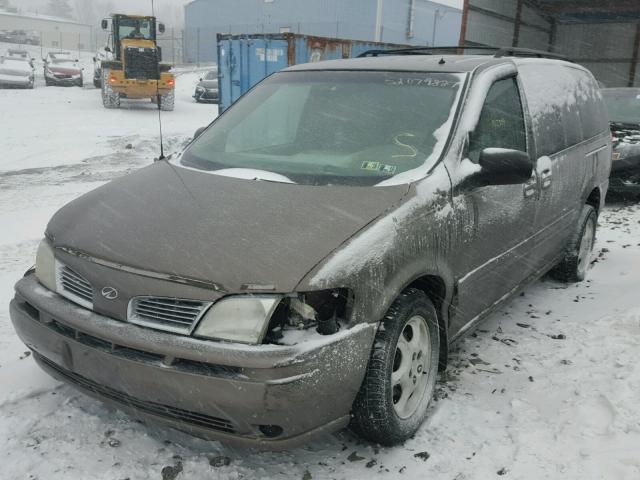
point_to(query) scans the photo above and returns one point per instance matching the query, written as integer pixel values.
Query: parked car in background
(60, 68)
(16, 71)
(623, 106)
(207, 88)
(20, 53)
(324, 242)
(16, 36)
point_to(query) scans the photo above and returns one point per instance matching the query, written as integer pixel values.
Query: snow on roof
(37, 16)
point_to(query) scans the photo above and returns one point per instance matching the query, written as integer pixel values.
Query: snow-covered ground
(548, 387)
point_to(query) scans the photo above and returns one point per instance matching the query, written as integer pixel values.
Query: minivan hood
(177, 221)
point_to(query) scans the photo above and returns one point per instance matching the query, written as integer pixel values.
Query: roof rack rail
(497, 52)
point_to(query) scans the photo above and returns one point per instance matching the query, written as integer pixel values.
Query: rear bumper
(64, 82)
(15, 81)
(216, 390)
(206, 96)
(625, 184)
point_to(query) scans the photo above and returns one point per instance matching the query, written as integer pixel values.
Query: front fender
(410, 241)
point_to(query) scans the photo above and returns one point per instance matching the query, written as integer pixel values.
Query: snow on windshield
(335, 127)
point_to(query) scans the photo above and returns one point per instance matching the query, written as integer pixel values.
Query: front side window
(501, 123)
(333, 127)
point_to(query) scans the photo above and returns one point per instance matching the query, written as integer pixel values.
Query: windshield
(211, 75)
(623, 105)
(130, 28)
(333, 127)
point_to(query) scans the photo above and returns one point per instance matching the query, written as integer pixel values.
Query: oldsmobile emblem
(109, 293)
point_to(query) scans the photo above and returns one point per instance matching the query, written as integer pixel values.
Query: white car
(16, 71)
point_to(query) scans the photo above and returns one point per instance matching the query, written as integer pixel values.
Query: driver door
(497, 254)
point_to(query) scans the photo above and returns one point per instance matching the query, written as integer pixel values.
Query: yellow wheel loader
(135, 70)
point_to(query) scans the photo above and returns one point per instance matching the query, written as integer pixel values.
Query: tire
(97, 82)
(383, 412)
(110, 99)
(47, 82)
(167, 101)
(573, 267)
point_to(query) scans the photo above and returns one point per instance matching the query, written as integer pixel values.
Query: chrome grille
(74, 286)
(171, 314)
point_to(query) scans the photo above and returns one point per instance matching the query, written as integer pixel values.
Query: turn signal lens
(171, 83)
(113, 80)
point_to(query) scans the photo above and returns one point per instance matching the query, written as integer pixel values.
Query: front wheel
(573, 266)
(400, 380)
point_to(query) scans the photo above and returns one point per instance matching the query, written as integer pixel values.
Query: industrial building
(602, 35)
(51, 32)
(415, 22)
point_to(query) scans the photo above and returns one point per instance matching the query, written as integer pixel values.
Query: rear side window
(565, 105)
(501, 123)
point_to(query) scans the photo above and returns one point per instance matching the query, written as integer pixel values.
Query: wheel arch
(435, 287)
(595, 199)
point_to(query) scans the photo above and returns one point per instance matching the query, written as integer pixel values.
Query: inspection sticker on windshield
(371, 166)
(378, 167)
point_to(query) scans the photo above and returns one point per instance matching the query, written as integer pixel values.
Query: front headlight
(199, 89)
(46, 265)
(239, 319)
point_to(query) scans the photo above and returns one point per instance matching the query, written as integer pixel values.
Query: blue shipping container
(244, 60)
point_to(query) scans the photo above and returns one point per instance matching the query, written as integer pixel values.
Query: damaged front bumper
(266, 396)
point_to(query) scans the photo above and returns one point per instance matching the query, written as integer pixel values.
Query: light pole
(437, 15)
(378, 33)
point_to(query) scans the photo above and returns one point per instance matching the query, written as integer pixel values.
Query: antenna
(158, 100)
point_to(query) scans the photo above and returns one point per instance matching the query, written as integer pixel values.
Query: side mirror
(161, 27)
(107, 49)
(200, 78)
(501, 166)
(199, 132)
(95, 59)
(104, 24)
(76, 60)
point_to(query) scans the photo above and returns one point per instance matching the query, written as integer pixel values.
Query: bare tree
(5, 5)
(60, 8)
(86, 11)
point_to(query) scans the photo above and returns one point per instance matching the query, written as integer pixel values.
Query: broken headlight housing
(46, 265)
(259, 319)
(324, 311)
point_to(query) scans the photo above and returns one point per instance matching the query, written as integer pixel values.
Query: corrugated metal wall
(403, 21)
(603, 46)
(493, 23)
(606, 49)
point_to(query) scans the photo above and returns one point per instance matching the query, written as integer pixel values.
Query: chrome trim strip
(491, 260)
(597, 150)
